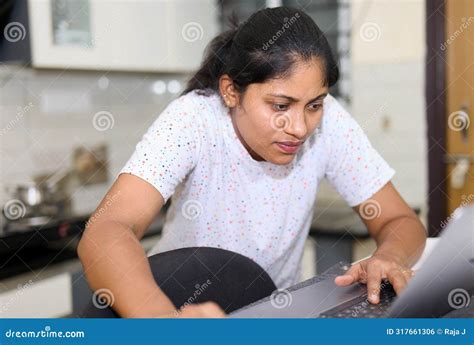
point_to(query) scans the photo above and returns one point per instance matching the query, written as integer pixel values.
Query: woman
(241, 153)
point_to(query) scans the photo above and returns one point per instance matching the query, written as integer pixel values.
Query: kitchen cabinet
(15, 41)
(155, 36)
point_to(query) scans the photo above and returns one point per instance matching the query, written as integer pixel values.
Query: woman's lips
(288, 146)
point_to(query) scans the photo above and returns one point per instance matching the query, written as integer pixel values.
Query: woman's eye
(280, 107)
(315, 107)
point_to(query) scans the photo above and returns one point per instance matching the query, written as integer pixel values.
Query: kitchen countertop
(18, 233)
(53, 283)
(333, 216)
(36, 247)
(337, 218)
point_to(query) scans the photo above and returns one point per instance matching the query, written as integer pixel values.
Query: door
(459, 48)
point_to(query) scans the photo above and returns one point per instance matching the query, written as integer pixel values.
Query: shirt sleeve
(354, 168)
(169, 149)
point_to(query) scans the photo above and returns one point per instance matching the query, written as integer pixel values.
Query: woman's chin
(282, 159)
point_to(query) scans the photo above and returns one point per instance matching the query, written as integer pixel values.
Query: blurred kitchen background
(82, 80)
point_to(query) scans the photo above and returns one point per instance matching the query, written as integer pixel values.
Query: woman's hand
(373, 270)
(203, 310)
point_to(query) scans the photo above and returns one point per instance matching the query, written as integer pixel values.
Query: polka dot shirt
(223, 198)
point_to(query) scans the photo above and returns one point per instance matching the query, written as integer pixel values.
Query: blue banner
(236, 331)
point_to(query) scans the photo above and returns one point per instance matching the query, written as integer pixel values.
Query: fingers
(372, 272)
(203, 310)
(397, 279)
(408, 273)
(212, 310)
(352, 275)
(374, 277)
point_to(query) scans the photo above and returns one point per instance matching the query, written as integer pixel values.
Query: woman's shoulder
(200, 111)
(193, 106)
(333, 110)
(336, 118)
(201, 98)
(336, 123)
(205, 105)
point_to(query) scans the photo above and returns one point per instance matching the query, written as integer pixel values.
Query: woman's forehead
(306, 80)
(294, 89)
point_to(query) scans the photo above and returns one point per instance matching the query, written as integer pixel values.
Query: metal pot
(31, 194)
(40, 199)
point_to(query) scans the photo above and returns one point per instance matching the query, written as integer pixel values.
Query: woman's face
(274, 118)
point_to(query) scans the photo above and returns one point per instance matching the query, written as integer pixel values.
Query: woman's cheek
(262, 137)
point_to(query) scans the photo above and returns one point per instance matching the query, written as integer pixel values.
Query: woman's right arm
(113, 258)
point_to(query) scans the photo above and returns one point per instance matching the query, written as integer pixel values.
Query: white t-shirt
(222, 197)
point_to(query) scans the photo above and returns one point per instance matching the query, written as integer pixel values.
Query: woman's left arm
(400, 238)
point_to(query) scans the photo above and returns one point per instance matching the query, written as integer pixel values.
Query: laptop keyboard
(362, 308)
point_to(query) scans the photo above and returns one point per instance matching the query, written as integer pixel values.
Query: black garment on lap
(200, 274)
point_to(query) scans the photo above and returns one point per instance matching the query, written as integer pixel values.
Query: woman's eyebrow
(294, 100)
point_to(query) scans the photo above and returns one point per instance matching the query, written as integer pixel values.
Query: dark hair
(265, 46)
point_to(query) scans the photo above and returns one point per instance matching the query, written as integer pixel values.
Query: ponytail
(215, 58)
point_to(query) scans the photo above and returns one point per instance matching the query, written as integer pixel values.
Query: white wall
(387, 76)
(388, 87)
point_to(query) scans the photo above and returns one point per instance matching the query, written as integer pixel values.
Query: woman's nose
(297, 126)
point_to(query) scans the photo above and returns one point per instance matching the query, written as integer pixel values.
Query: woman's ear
(228, 92)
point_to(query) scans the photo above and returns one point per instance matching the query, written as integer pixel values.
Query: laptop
(444, 283)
